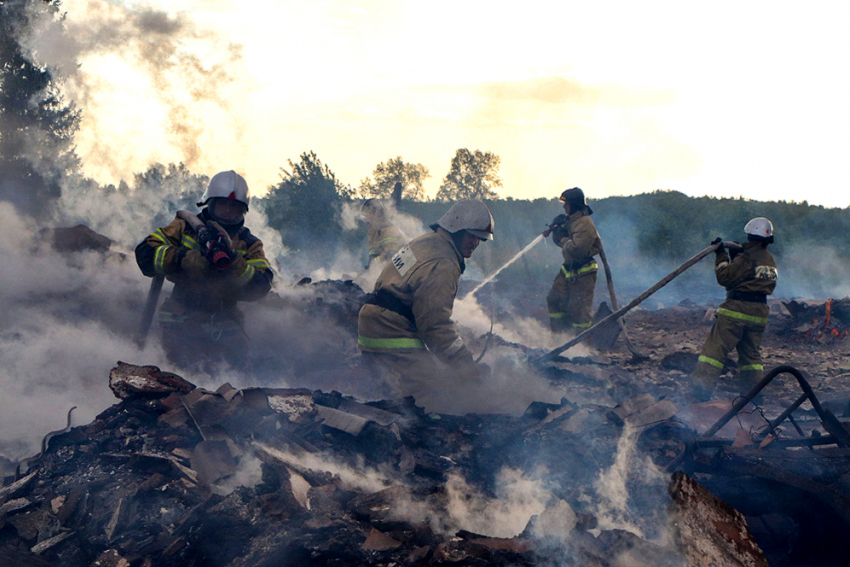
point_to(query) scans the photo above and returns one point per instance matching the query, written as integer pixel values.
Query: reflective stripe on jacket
(384, 242)
(423, 275)
(751, 271)
(168, 250)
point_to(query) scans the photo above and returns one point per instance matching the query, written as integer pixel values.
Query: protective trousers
(727, 333)
(570, 302)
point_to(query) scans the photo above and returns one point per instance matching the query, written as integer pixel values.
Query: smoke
(360, 479)
(527, 331)
(352, 265)
(150, 84)
(69, 317)
(799, 262)
(517, 500)
(66, 322)
(249, 473)
(460, 506)
(350, 218)
(617, 487)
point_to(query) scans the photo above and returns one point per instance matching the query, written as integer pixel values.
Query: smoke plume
(150, 84)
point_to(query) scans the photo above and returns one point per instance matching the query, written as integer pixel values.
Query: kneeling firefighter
(405, 329)
(214, 261)
(570, 301)
(749, 277)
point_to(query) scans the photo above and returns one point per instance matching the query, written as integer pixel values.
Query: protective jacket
(752, 272)
(174, 252)
(384, 241)
(570, 300)
(581, 245)
(740, 320)
(415, 295)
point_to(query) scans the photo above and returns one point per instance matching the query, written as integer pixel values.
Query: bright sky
(722, 98)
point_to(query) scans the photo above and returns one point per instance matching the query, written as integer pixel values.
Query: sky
(728, 99)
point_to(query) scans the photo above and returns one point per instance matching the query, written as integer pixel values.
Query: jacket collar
(445, 235)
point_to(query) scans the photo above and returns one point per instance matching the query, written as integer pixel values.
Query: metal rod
(149, 310)
(829, 421)
(787, 413)
(623, 310)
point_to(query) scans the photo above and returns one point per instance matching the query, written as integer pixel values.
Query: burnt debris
(179, 475)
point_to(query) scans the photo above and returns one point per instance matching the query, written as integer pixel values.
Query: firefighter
(749, 277)
(384, 238)
(201, 324)
(570, 300)
(405, 329)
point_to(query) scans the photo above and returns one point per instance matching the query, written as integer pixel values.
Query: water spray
(516, 257)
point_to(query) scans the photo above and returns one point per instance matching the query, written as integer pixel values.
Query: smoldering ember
(624, 469)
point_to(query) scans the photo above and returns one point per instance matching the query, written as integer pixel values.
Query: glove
(735, 250)
(204, 238)
(558, 229)
(720, 249)
(193, 263)
(547, 232)
(220, 253)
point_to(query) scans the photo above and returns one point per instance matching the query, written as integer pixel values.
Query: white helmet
(760, 227)
(227, 185)
(469, 215)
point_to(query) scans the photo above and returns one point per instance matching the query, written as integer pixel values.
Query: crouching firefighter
(570, 301)
(749, 277)
(214, 261)
(405, 329)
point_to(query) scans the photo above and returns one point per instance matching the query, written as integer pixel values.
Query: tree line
(644, 234)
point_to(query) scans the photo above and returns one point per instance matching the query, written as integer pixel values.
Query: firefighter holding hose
(749, 276)
(405, 329)
(214, 261)
(570, 301)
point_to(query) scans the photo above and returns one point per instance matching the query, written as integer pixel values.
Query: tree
(387, 174)
(37, 126)
(471, 176)
(306, 205)
(167, 189)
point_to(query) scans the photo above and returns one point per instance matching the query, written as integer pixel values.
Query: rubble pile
(179, 475)
(617, 473)
(820, 321)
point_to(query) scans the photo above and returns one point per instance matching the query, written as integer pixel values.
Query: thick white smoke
(150, 84)
(67, 319)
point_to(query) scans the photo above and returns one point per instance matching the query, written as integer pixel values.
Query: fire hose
(609, 279)
(214, 240)
(623, 310)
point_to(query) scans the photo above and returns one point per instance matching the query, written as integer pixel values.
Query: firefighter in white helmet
(201, 324)
(570, 300)
(749, 276)
(405, 329)
(384, 238)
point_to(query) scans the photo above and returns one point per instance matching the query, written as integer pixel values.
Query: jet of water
(489, 278)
